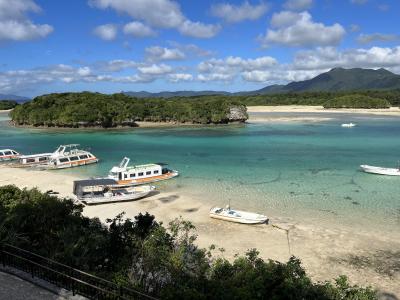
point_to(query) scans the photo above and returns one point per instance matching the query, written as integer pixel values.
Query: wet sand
(366, 258)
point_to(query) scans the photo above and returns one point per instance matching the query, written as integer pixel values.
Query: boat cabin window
(165, 170)
(7, 153)
(83, 156)
(140, 174)
(64, 159)
(155, 172)
(42, 158)
(1, 153)
(125, 176)
(148, 173)
(30, 160)
(14, 152)
(133, 175)
(73, 158)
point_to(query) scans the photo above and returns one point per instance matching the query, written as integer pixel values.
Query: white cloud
(198, 29)
(84, 71)
(157, 53)
(15, 25)
(177, 77)
(107, 32)
(354, 28)
(155, 69)
(238, 13)
(377, 37)
(216, 77)
(298, 4)
(115, 65)
(191, 49)
(138, 29)
(329, 57)
(298, 29)
(159, 14)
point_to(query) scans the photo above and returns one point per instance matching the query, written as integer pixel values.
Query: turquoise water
(302, 171)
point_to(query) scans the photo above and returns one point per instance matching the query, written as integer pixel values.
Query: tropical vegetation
(144, 254)
(356, 101)
(7, 104)
(95, 109)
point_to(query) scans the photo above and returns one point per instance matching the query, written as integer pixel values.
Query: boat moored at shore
(105, 190)
(140, 174)
(8, 154)
(381, 170)
(348, 125)
(237, 216)
(68, 156)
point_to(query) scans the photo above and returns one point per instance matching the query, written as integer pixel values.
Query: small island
(75, 110)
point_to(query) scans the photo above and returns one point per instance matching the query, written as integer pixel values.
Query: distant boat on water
(348, 125)
(381, 170)
(237, 216)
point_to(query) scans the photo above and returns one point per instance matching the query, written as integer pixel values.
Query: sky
(111, 46)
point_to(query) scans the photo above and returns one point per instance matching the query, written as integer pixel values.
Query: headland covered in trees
(88, 109)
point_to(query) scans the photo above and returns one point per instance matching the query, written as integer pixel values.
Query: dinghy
(348, 125)
(380, 170)
(237, 216)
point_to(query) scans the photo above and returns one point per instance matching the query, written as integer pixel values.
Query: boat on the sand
(97, 191)
(237, 216)
(8, 154)
(141, 174)
(381, 170)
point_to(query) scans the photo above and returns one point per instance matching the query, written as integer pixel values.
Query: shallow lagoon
(302, 171)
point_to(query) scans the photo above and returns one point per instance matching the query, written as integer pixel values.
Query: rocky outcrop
(238, 113)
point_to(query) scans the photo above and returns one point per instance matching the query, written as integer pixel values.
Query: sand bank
(367, 259)
(393, 111)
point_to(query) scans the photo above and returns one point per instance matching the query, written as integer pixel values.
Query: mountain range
(19, 99)
(335, 80)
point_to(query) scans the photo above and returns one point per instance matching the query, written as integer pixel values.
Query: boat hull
(147, 180)
(71, 164)
(243, 218)
(117, 198)
(380, 170)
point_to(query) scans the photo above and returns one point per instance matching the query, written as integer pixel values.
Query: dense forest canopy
(141, 253)
(95, 109)
(7, 104)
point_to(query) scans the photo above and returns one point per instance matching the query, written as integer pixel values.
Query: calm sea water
(302, 171)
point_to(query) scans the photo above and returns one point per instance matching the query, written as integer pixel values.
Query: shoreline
(324, 251)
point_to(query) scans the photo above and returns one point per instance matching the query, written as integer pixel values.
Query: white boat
(68, 156)
(140, 174)
(97, 191)
(348, 125)
(237, 216)
(380, 170)
(8, 154)
(34, 159)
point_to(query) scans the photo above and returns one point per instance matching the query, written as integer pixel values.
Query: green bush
(7, 104)
(356, 101)
(143, 254)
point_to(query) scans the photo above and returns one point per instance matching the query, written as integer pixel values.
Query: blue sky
(155, 45)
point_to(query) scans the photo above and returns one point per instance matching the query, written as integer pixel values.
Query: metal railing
(63, 276)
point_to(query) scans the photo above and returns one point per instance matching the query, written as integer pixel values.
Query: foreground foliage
(7, 104)
(144, 254)
(95, 109)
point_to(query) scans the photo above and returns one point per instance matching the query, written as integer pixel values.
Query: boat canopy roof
(36, 155)
(80, 184)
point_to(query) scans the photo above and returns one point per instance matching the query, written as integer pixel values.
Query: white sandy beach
(323, 251)
(260, 113)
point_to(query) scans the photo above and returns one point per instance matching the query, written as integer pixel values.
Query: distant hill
(340, 79)
(19, 99)
(336, 80)
(166, 94)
